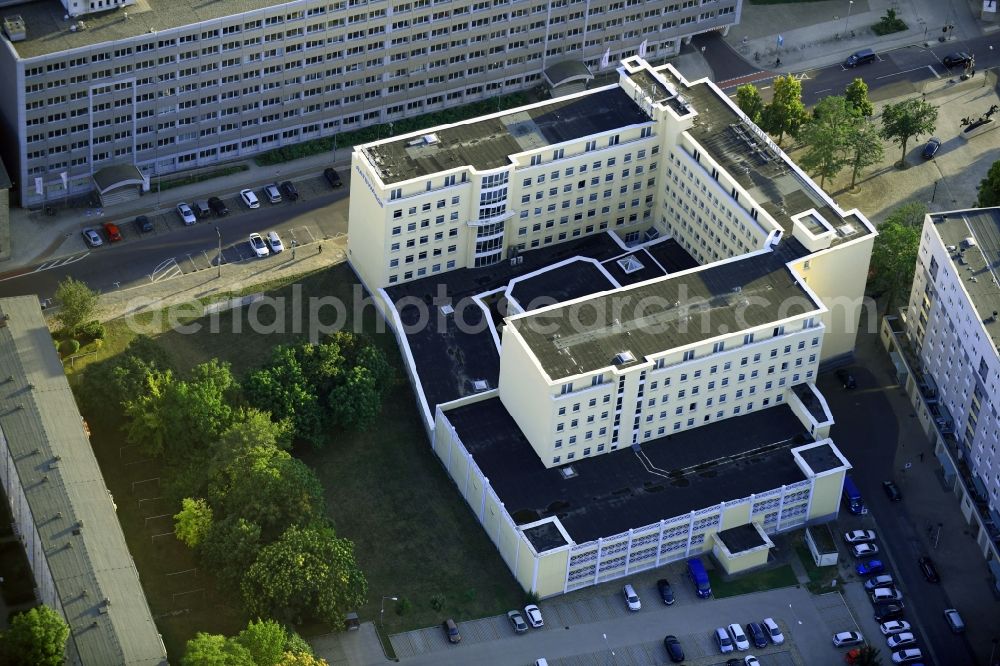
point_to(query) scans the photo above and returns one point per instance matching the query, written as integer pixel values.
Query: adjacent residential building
(613, 306)
(168, 85)
(63, 513)
(945, 349)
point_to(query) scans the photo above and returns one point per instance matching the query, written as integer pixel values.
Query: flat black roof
(545, 537)
(741, 538)
(562, 283)
(614, 492)
(810, 401)
(821, 458)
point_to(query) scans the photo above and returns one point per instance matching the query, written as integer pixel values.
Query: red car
(112, 231)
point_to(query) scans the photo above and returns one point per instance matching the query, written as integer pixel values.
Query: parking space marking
(166, 270)
(312, 238)
(55, 263)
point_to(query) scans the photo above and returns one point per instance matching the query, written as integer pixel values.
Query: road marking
(64, 261)
(816, 92)
(165, 270)
(193, 265)
(934, 71)
(208, 259)
(312, 238)
(905, 71)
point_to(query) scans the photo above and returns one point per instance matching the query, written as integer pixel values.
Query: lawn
(416, 538)
(820, 578)
(757, 581)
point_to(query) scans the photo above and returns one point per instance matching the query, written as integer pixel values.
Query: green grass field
(766, 579)
(416, 538)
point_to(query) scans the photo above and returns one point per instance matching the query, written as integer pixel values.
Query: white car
(186, 214)
(906, 656)
(631, 598)
(859, 536)
(846, 638)
(773, 631)
(750, 660)
(901, 640)
(249, 198)
(739, 638)
(882, 580)
(258, 246)
(92, 237)
(275, 242)
(886, 594)
(894, 627)
(534, 616)
(864, 550)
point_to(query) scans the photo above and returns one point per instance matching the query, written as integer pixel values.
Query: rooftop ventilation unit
(621, 358)
(480, 385)
(430, 139)
(845, 229)
(447, 310)
(630, 264)
(969, 242)
(567, 472)
(14, 28)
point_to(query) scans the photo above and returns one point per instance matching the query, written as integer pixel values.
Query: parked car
(631, 598)
(957, 58)
(332, 177)
(666, 593)
(739, 638)
(884, 580)
(846, 638)
(113, 232)
(894, 627)
(757, 635)
(864, 550)
(517, 622)
(218, 206)
(534, 616)
(258, 246)
(674, 649)
(288, 190)
(773, 631)
(143, 224)
(274, 241)
(861, 57)
(902, 639)
(859, 536)
(723, 641)
(928, 569)
(954, 620)
(249, 198)
(750, 660)
(846, 379)
(931, 148)
(870, 567)
(892, 491)
(202, 209)
(885, 611)
(906, 656)
(886, 594)
(272, 193)
(451, 631)
(92, 238)
(186, 214)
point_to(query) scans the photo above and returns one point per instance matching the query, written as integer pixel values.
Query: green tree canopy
(826, 136)
(894, 259)
(36, 637)
(283, 388)
(107, 385)
(77, 303)
(228, 550)
(750, 102)
(193, 522)
(786, 113)
(989, 187)
(309, 573)
(215, 650)
(909, 215)
(864, 147)
(856, 94)
(265, 640)
(907, 119)
(355, 403)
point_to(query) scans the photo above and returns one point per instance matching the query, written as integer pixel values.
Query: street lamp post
(381, 611)
(850, 7)
(219, 233)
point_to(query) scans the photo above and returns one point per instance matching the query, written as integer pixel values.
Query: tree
(301, 659)
(77, 303)
(864, 147)
(749, 100)
(265, 640)
(147, 425)
(356, 402)
(309, 573)
(283, 388)
(909, 215)
(868, 656)
(989, 187)
(228, 550)
(826, 135)
(107, 385)
(785, 113)
(856, 94)
(193, 522)
(37, 636)
(894, 259)
(215, 650)
(907, 119)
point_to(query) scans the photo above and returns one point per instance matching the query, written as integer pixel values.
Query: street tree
(750, 102)
(856, 94)
(77, 304)
(864, 147)
(37, 636)
(907, 119)
(894, 259)
(989, 187)
(909, 215)
(193, 522)
(308, 574)
(786, 113)
(826, 137)
(215, 650)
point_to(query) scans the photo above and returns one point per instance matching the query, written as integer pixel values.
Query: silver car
(186, 214)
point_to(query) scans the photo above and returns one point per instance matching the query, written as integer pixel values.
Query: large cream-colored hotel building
(655, 285)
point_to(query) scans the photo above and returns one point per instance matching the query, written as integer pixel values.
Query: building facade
(171, 85)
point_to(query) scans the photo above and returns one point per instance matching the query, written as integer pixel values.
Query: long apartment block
(612, 307)
(169, 85)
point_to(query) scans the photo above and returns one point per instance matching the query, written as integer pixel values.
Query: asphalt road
(173, 249)
(865, 422)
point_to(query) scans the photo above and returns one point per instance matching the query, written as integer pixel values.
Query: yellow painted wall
(367, 248)
(744, 562)
(552, 573)
(734, 516)
(826, 496)
(526, 394)
(525, 563)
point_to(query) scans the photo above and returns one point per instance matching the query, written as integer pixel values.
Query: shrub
(403, 606)
(93, 330)
(889, 24)
(437, 601)
(69, 347)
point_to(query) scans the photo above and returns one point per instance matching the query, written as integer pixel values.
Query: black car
(667, 594)
(288, 191)
(931, 149)
(218, 206)
(892, 491)
(928, 569)
(332, 177)
(846, 379)
(889, 610)
(957, 58)
(756, 633)
(674, 649)
(143, 224)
